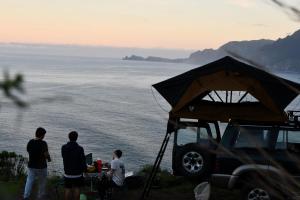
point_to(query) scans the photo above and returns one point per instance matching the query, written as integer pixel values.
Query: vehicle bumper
(223, 180)
(220, 180)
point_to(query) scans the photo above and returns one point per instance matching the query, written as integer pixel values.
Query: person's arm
(28, 147)
(113, 168)
(62, 151)
(46, 153)
(83, 161)
(123, 169)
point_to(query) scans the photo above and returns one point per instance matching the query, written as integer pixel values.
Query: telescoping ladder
(160, 155)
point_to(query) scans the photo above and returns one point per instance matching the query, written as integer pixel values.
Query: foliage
(146, 169)
(11, 166)
(165, 179)
(12, 87)
(292, 11)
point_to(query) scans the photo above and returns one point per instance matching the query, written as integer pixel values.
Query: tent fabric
(188, 89)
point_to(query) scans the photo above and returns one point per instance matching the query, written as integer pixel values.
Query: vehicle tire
(254, 190)
(193, 160)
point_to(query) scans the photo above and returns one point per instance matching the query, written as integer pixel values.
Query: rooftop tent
(228, 89)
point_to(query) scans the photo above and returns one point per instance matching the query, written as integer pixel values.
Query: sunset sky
(180, 24)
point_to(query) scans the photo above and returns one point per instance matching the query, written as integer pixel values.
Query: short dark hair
(118, 153)
(73, 135)
(40, 132)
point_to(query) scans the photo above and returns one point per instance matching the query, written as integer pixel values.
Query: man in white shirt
(117, 171)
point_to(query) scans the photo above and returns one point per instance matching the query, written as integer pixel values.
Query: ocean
(108, 101)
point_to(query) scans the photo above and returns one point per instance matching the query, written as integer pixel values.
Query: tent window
(229, 96)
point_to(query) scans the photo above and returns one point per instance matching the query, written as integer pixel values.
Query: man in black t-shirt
(74, 167)
(37, 165)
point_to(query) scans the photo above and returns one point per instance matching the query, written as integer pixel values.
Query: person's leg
(112, 189)
(114, 185)
(78, 183)
(42, 182)
(29, 182)
(68, 188)
(68, 194)
(76, 193)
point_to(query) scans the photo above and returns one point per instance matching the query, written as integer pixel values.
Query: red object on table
(99, 165)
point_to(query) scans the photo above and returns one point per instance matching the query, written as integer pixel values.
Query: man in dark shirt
(74, 167)
(37, 165)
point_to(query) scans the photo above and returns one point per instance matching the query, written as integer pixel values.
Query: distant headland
(154, 59)
(282, 54)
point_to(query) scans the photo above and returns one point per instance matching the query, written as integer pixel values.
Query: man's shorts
(73, 182)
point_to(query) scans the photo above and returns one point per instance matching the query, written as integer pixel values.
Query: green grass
(10, 190)
(166, 186)
(175, 188)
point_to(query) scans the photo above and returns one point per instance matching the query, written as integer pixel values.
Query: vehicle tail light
(217, 166)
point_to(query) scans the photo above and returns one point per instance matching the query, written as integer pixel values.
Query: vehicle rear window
(187, 135)
(252, 137)
(294, 141)
(288, 139)
(294, 136)
(282, 138)
(213, 129)
(203, 133)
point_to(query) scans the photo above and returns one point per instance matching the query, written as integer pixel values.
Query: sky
(171, 24)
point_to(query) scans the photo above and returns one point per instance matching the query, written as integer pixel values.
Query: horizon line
(92, 46)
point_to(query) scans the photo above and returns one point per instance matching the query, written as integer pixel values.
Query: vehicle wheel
(194, 161)
(256, 191)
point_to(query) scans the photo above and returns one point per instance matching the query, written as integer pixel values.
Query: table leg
(91, 184)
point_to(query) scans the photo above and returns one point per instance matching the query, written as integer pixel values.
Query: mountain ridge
(280, 54)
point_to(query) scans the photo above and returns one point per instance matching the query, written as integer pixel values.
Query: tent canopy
(228, 89)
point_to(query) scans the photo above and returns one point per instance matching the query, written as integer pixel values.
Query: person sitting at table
(117, 169)
(114, 178)
(74, 167)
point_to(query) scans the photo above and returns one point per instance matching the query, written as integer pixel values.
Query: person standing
(74, 167)
(37, 166)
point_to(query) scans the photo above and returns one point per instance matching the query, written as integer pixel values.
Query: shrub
(146, 169)
(11, 165)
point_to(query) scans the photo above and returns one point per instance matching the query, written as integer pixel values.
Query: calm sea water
(108, 101)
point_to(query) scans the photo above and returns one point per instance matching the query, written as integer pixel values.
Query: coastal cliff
(282, 54)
